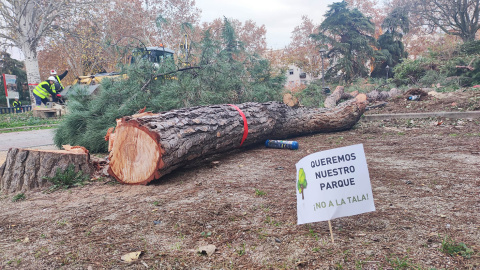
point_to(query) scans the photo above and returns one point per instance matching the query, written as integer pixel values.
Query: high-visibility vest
(16, 105)
(40, 91)
(59, 82)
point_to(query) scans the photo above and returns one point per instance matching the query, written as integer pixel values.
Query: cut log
(25, 169)
(373, 96)
(376, 95)
(332, 100)
(148, 146)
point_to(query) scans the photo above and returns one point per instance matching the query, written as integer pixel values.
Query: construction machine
(91, 83)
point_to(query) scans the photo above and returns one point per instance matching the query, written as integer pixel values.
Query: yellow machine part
(92, 80)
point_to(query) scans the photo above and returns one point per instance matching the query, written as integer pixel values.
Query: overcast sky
(278, 16)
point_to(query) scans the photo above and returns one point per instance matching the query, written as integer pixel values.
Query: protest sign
(333, 183)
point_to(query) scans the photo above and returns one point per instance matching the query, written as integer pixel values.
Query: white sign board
(10, 85)
(333, 183)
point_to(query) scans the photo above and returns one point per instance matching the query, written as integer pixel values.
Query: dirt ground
(425, 178)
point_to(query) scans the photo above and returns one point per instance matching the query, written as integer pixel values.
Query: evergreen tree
(391, 49)
(350, 36)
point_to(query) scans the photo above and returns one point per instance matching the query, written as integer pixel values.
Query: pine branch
(164, 74)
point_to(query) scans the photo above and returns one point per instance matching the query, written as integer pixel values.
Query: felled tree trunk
(25, 169)
(147, 146)
(332, 100)
(382, 96)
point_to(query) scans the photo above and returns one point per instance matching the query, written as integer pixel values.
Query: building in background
(297, 78)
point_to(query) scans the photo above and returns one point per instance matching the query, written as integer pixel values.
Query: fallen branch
(466, 67)
(164, 74)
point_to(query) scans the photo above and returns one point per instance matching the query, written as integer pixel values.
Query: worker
(44, 90)
(58, 85)
(17, 106)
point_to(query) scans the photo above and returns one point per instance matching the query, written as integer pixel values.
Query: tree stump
(25, 169)
(147, 146)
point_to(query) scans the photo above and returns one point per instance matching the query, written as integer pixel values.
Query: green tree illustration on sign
(302, 181)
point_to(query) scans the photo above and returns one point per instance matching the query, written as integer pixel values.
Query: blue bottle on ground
(282, 144)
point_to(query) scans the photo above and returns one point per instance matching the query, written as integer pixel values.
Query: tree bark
(148, 146)
(33, 72)
(27, 39)
(373, 96)
(25, 169)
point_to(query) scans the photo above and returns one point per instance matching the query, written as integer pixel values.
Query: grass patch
(400, 263)
(313, 234)
(260, 193)
(17, 120)
(68, 178)
(19, 197)
(450, 247)
(241, 251)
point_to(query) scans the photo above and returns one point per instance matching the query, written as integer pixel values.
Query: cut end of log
(136, 155)
(361, 98)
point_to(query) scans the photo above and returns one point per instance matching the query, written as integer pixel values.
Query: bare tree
(303, 50)
(23, 24)
(454, 17)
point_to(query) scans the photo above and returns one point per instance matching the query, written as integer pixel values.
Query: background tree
(373, 10)
(303, 50)
(453, 17)
(390, 44)
(113, 30)
(24, 23)
(251, 36)
(350, 37)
